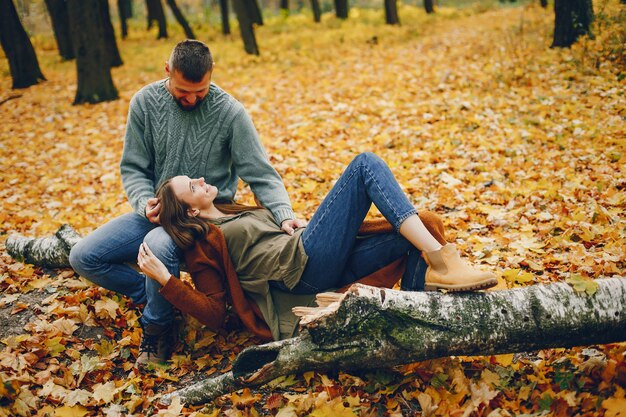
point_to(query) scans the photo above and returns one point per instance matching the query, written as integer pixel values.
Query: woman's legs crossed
(331, 234)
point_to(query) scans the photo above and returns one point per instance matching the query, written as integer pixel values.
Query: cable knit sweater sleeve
(253, 167)
(137, 158)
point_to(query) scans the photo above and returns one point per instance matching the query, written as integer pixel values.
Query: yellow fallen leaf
(67, 411)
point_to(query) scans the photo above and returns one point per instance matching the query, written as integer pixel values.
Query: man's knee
(162, 245)
(81, 257)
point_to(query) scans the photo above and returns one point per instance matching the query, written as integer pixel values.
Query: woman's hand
(152, 266)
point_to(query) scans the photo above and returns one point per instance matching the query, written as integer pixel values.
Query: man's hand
(153, 209)
(290, 225)
(151, 265)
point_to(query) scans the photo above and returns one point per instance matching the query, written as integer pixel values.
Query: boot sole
(492, 282)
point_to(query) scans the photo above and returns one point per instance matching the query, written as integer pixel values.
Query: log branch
(379, 328)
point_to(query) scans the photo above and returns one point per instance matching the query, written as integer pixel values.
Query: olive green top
(260, 250)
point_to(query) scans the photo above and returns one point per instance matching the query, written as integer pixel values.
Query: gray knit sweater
(216, 141)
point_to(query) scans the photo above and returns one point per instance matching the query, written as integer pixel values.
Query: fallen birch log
(51, 252)
(371, 327)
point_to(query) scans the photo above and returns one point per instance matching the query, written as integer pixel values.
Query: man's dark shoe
(157, 344)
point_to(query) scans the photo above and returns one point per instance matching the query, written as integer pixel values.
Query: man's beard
(186, 108)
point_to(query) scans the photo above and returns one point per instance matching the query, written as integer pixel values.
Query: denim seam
(380, 242)
(398, 219)
(404, 217)
(330, 203)
(116, 248)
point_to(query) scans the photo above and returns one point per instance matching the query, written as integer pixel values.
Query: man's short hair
(192, 59)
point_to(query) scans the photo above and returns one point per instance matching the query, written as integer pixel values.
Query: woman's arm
(206, 302)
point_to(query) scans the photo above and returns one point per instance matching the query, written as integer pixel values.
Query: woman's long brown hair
(183, 228)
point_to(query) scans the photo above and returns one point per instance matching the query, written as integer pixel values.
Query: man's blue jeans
(336, 256)
(100, 257)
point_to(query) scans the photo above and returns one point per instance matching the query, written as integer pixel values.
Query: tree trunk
(20, 53)
(61, 27)
(51, 252)
(156, 13)
(341, 9)
(379, 328)
(284, 7)
(317, 11)
(254, 11)
(429, 7)
(572, 18)
(391, 12)
(245, 27)
(224, 12)
(109, 34)
(125, 11)
(544, 3)
(93, 60)
(181, 19)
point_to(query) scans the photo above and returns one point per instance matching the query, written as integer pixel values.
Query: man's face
(187, 94)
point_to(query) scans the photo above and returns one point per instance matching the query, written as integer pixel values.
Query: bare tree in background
(125, 11)
(572, 19)
(341, 9)
(181, 19)
(246, 27)
(93, 62)
(429, 6)
(391, 12)
(57, 9)
(109, 34)
(23, 63)
(317, 11)
(156, 13)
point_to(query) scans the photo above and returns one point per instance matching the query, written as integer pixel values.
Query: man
(183, 125)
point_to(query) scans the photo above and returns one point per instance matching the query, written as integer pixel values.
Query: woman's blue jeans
(336, 256)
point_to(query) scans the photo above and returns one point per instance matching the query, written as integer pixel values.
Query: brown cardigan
(216, 281)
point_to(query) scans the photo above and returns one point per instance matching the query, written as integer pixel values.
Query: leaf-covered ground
(520, 148)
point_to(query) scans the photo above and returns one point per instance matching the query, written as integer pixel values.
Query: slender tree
(391, 12)
(181, 19)
(109, 34)
(246, 27)
(572, 18)
(93, 61)
(61, 27)
(254, 11)
(284, 6)
(156, 14)
(18, 49)
(125, 11)
(224, 13)
(341, 9)
(317, 11)
(429, 7)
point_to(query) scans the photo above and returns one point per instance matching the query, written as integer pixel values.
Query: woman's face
(195, 192)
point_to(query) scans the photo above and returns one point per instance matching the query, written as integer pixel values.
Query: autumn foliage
(521, 149)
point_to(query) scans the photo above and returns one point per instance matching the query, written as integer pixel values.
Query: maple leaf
(106, 307)
(104, 392)
(173, 410)
(287, 411)
(581, 284)
(73, 411)
(427, 405)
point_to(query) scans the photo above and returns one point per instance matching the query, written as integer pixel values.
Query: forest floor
(521, 148)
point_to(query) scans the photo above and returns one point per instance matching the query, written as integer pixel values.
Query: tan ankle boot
(447, 271)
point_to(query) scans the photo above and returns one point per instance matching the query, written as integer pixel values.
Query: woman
(324, 255)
